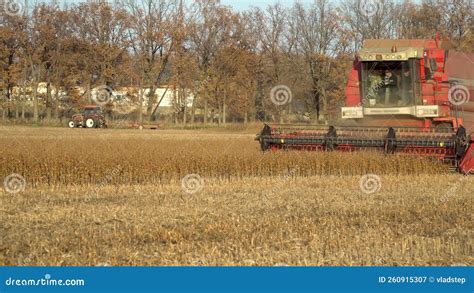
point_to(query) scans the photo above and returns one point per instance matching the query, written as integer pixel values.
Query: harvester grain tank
(402, 96)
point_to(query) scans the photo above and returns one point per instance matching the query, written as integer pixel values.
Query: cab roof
(408, 43)
(91, 107)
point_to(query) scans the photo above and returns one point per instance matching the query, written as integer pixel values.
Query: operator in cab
(375, 83)
(405, 88)
(390, 85)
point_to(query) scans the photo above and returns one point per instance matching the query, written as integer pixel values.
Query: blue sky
(245, 4)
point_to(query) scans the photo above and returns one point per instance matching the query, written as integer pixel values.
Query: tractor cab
(92, 110)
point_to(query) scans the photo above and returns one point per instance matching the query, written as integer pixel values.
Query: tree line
(281, 63)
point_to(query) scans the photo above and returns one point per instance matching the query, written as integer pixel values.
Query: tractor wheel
(71, 124)
(90, 123)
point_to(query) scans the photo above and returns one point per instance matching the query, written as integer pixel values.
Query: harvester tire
(264, 146)
(91, 123)
(462, 143)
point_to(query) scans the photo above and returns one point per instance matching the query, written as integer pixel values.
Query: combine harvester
(402, 96)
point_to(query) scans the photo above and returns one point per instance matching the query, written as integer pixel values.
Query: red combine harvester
(402, 96)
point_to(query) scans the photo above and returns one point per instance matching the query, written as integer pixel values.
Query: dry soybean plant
(73, 161)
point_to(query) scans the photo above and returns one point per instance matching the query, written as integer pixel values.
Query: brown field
(115, 197)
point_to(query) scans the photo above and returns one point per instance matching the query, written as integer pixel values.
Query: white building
(128, 98)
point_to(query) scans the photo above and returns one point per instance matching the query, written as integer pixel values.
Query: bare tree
(227, 60)
(369, 19)
(183, 64)
(273, 45)
(101, 30)
(209, 32)
(317, 32)
(151, 40)
(12, 42)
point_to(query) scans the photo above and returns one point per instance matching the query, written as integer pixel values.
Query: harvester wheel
(90, 123)
(462, 143)
(72, 124)
(264, 146)
(266, 131)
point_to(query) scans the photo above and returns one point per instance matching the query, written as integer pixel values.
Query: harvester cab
(410, 96)
(389, 83)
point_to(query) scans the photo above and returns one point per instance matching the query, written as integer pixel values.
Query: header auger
(405, 96)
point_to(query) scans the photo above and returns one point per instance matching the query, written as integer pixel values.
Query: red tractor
(408, 96)
(90, 117)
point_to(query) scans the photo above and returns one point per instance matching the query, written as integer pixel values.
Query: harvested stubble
(306, 221)
(115, 197)
(125, 157)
